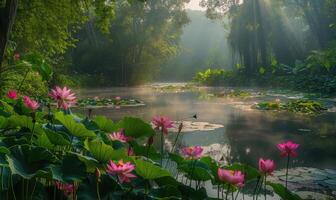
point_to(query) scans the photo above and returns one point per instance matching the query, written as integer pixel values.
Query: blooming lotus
(194, 152)
(17, 56)
(66, 188)
(235, 178)
(162, 123)
(119, 136)
(266, 166)
(288, 149)
(31, 104)
(117, 98)
(122, 170)
(12, 94)
(63, 96)
(130, 151)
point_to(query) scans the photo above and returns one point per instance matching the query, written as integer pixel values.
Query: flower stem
(162, 143)
(97, 189)
(265, 187)
(227, 192)
(255, 189)
(32, 133)
(287, 170)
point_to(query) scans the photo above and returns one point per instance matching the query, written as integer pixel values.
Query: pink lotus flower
(162, 123)
(66, 188)
(288, 149)
(266, 166)
(235, 178)
(64, 97)
(119, 136)
(130, 151)
(118, 98)
(17, 56)
(192, 152)
(122, 170)
(12, 94)
(31, 104)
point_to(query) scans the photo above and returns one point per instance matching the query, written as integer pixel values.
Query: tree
(142, 37)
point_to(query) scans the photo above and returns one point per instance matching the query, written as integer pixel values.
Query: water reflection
(247, 134)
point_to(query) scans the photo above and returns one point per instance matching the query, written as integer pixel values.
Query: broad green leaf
(104, 124)
(176, 158)
(165, 192)
(71, 169)
(146, 151)
(43, 141)
(30, 162)
(148, 170)
(56, 138)
(90, 162)
(283, 192)
(3, 122)
(197, 170)
(103, 152)
(74, 128)
(135, 127)
(190, 193)
(251, 172)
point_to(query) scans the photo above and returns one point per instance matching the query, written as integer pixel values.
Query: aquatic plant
(31, 104)
(162, 124)
(122, 170)
(12, 94)
(48, 152)
(296, 106)
(118, 136)
(194, 152)
(107, 102)
(266, 167)
(288, 149)
(63, 96)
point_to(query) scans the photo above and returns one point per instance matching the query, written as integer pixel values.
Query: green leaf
(135, 127)
(104, 124)
(43, 141)
(29, 162)
(71, 169)
(176, 158)
(74, 128)
(197, 170)
(165, 192)
(283, 192)
(251, 172)
(103, 152)
(148, 170)
(56, 138)
(39, 65)
(3, 122)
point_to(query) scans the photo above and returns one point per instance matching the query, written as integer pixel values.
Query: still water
(247, 134)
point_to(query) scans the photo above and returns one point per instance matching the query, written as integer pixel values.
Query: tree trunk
(7, 17)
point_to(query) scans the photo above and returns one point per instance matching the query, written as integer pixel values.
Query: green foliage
(107, 102)
(283, 192)
(153, 25)
(297, 106)
(73, 127)
(149, 171)
(42, 153)
(135, 127)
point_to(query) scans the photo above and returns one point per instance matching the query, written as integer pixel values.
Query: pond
(245, 135)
